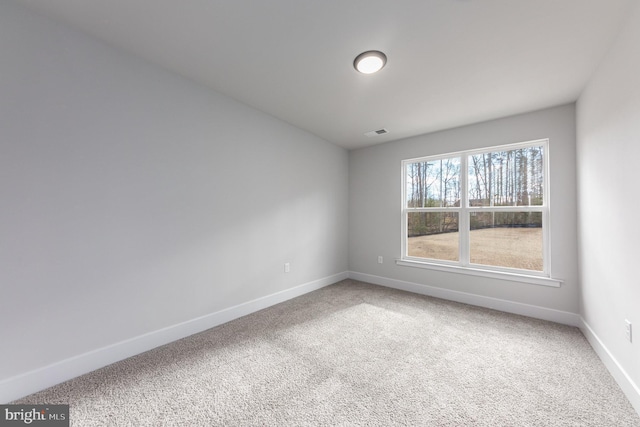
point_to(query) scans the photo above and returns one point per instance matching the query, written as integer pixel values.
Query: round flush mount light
(370, 62)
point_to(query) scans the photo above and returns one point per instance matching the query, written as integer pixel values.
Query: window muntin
(480, 209)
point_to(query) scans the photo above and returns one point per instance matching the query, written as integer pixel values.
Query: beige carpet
(357, 354)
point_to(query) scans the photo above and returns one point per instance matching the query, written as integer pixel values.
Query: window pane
(433, 235)
(435, 183)
(507, 178)
(506, 239)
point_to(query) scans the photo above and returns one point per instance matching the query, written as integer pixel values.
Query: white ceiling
(450, 62)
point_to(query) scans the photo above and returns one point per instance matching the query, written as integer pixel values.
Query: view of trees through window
(500, 212)
(507, 178)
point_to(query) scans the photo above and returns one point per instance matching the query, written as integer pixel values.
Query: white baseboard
(528, 310)
(30, 382)
(628, 386)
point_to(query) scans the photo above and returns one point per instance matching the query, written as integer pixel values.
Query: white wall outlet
(627, 330)
(380, 259)
(287, 267)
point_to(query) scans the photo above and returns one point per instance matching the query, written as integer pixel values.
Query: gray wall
(132, 199)
(375, 201)
(608, 153)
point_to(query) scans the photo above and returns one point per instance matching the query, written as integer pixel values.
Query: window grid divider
(464, 210)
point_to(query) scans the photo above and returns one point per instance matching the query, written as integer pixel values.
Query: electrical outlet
(287, 267)
(628, 330)
(380, 259)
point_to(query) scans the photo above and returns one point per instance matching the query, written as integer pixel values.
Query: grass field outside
(504, 247)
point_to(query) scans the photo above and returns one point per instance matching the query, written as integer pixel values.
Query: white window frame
(464, 266)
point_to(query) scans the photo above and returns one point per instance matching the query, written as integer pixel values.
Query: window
(481, 209)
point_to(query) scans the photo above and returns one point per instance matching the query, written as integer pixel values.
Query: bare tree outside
(507, 178)
(500, 179)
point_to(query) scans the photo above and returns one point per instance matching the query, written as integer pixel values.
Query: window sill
(472, 271)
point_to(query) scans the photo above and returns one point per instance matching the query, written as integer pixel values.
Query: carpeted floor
(357, 354)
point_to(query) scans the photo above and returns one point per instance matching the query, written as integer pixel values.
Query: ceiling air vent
(377, 132)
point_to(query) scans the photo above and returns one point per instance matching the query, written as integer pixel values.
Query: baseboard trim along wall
(628, 386)
(537, 312)
(39, 379)
(30, 382)
(630, 389)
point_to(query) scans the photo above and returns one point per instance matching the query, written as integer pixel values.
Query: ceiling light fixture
(370, 62)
